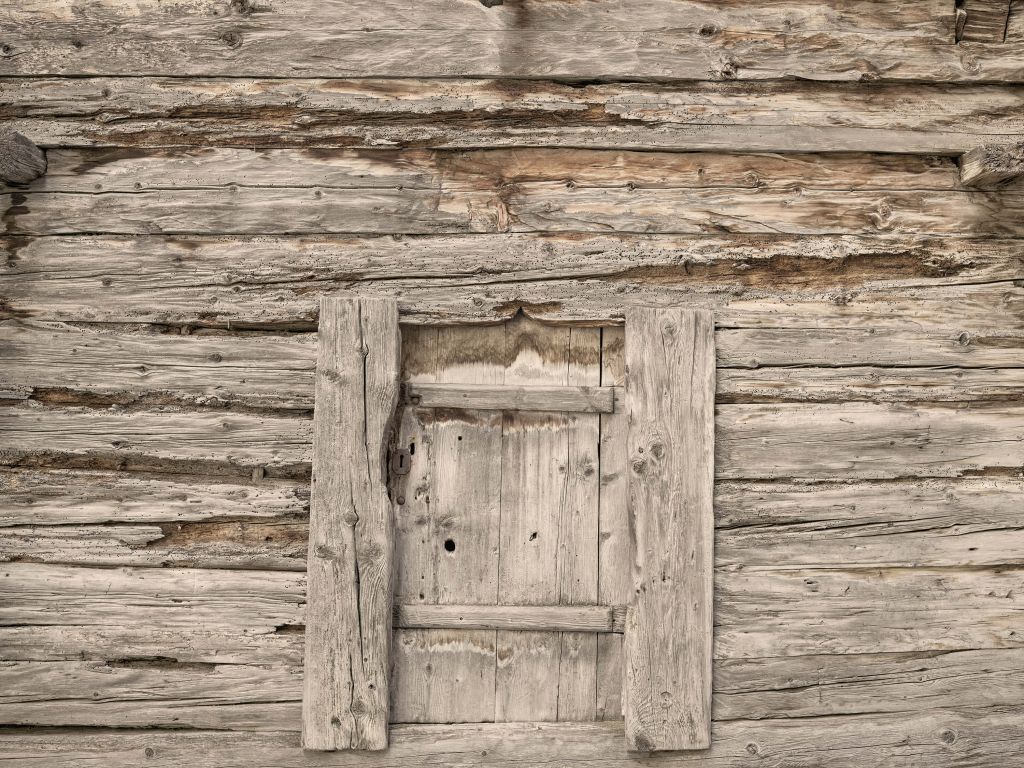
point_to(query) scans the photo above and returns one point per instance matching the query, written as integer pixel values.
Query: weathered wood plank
(965, 523)
(56, 362)
(667, 644)
(351, 541)
(143, 692)
(773, 116)
(579, 534)
(55, 612)
(277, 281)
(615, 580)
(986, 20)
(572, 398)
(57, 497)
(944, 738)
(235, 191)
(850, 43)
(924, 18)
(452, 494)
(117, 519)
(534, 482)
(539, 618)
(992, 163)
(821, 441)
(133, 367)
(21, 161)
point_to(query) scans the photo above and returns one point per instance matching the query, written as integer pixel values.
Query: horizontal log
(927, 17)
(769, 281)
(684, 41)
(164, 692)
(774, 116)
(512, 397)
(547, 618)
(236, 191)
(54, 612)
(121, 519)
(57, 362)
(928, 739)
(846, 441)
(57, 498)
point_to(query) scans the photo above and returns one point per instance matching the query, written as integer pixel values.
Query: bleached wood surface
(942, 738)
(349, 569)
(771, 116)
(667, 641)
(870, 609)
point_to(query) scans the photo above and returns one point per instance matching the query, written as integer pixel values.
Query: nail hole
(449, 545)
(533, 536)
(460, 437)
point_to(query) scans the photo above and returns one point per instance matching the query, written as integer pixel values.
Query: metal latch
(401, 461)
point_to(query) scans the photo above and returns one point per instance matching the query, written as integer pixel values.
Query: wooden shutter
(349, 598)
(670, 362)
(507, 470)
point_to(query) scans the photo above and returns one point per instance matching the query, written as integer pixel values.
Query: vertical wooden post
(670, 370)
(349, 600)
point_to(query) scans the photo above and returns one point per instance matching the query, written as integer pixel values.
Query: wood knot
(491, 3)
(232, 39)
(324, 552)
(947, 735)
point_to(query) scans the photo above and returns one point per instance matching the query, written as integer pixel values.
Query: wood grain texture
(986, 20)
(324, 191)
(21, 161)
(56, 612)
(941, 738)
(827, 441)
(582, 399)
(349, 568)
(992, 164)
(853, 42)
(616, 536)
(765, 116)
(66, 363)
(451, 494)
(670, 384)
(956, 296)
(540, 618)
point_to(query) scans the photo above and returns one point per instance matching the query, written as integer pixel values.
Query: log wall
(215, 167)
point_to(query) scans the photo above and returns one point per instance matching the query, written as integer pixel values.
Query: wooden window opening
(551, 421)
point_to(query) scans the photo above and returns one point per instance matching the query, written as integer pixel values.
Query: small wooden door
(504, 507)
(542, 526)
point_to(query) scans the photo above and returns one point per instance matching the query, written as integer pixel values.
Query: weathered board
(833, 180)
(349, 569)
(670, 364)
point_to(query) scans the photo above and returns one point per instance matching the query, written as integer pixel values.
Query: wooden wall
(216, 166)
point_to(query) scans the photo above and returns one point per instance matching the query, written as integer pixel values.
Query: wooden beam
(984, 21)
(579, 399)
(989, 164)
(539, 618)
(670, 391)
(348, 615)
(21, 161)
(936, 738)
(992, 163)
